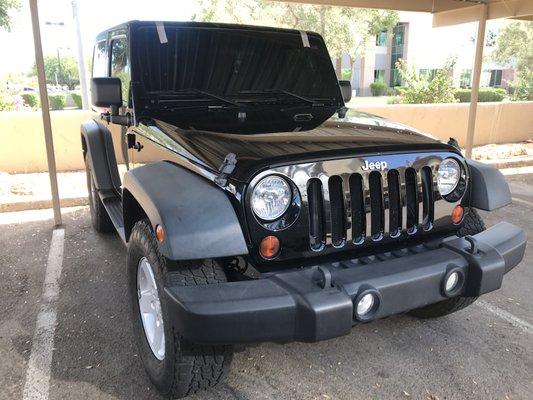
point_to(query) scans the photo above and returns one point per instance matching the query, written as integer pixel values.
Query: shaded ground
(473, 354)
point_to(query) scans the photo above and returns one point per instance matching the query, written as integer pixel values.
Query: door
(120, 68)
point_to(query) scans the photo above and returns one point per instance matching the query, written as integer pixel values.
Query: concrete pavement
(478, 353)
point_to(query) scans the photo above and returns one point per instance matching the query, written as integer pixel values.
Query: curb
(501, 164)
(42, 204)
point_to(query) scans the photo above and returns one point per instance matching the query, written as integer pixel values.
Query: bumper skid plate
(317, 303)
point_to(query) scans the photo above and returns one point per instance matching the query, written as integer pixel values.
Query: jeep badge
(379, 165)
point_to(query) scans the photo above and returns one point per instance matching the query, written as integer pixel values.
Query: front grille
(369, 206)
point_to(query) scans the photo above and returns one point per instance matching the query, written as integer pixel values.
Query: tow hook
(473, 244)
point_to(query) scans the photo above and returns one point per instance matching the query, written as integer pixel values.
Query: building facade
(427, 49)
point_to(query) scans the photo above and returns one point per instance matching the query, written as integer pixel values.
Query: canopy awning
(445, 12)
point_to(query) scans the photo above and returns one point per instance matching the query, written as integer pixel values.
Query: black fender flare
(98, 150)
(197, 216)
(489, 190)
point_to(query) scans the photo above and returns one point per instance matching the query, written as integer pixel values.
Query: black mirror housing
(346, 90)
(106, 92)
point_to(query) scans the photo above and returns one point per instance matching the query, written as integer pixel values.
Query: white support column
(81, 57)
(476, 74)
(45, 108)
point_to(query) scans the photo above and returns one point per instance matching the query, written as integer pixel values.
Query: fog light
(365, 304)
(451, 282)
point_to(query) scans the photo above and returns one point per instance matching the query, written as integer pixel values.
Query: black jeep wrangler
(256, 207)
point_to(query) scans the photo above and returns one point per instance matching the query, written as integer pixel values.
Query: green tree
(5, 7)
(60, 70)
(344, 29)
(422, 88)
(514, 48)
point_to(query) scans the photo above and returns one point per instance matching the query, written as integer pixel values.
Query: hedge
(57, 101)
(31, 99)
(485, 94)
(76, 97)
(379, 88)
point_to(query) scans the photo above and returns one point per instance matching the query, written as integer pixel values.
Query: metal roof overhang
(445, 12)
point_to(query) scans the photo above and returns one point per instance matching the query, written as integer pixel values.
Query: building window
(381, 38)
(396, 53)
(429, 74)
(379, 75)
(495, 77)
(465, 78)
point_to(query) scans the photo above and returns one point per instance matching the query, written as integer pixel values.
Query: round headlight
(448, 176)
(271, 197)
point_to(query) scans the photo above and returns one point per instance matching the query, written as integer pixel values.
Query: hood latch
(225, 170)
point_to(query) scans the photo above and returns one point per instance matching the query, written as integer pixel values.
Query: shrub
(31, 99)
(6, 102)
(424, 89)
(346, 74)
(76, 97)
(486, 94)
(523, 89)
(379, 88)
(57, 101)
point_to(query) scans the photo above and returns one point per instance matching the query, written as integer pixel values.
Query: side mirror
(106, 92)
(346, 90)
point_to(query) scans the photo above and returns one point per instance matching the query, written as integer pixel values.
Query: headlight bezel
(459, 189)
(279, 214)
(445, 162)
(290, 215)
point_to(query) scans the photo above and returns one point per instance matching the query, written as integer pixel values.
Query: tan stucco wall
(22, 146)
(22, 142)
(495, 122)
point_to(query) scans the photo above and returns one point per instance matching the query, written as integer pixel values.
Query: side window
(99, 60)
(119, 64)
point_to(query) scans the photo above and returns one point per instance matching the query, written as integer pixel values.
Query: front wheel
(175, 366)
(472, 225)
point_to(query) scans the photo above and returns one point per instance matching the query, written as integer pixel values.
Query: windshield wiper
(191, 91)
(313, 102)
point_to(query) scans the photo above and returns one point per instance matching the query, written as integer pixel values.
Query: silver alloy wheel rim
(150, 309)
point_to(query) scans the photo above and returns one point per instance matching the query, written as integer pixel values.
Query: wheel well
(133, 212)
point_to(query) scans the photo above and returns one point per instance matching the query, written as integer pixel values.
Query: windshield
(233, 78)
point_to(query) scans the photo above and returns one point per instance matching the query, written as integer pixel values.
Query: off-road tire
(99, 216)
(472, 225)
(186, 367)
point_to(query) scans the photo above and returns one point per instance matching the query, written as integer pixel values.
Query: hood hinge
(227, 167)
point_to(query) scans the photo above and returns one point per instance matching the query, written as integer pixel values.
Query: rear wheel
(472, 225)
(99, 216)
(175, 366)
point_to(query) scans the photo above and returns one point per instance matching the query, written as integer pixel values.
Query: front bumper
(317, 303)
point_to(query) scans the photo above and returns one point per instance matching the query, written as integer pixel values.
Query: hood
(356, 134)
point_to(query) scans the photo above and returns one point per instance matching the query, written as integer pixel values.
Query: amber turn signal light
(269, 247)
(457, 214)
(159, 233)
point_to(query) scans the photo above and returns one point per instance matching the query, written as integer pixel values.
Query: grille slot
(317, 234)
(411, 199)
(356, 207)
(376, 205)
(395, 206)
(427, 197)
(338, 219)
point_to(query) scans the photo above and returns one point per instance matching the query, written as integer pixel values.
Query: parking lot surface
(483, 352)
